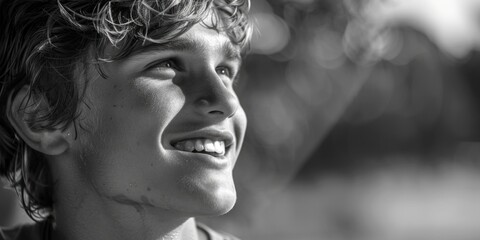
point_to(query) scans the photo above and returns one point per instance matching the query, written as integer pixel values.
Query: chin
(217, 204)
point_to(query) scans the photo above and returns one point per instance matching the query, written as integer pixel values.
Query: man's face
(165, 128)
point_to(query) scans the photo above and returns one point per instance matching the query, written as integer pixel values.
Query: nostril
(218, 105)
(216, 112)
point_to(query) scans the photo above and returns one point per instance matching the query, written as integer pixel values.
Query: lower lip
(212, 161)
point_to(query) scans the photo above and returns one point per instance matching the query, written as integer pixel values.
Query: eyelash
(172, 63)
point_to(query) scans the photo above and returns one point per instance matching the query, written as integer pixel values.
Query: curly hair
(42, 45)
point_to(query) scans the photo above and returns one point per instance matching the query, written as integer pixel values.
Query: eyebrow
(230, 51)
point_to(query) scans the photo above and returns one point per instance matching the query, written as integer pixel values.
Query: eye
(163, 69)
(225, 71)
(166, 64)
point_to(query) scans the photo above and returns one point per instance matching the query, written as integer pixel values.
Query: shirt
(41, 231)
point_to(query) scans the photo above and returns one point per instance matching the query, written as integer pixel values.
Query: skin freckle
(146, 201)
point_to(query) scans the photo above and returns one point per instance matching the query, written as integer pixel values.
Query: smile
(208, 146)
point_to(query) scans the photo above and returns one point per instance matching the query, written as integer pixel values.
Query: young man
(118, 118)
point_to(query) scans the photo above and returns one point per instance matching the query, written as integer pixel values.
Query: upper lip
(212, 134)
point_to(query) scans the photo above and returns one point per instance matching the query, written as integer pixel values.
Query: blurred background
(363, 123)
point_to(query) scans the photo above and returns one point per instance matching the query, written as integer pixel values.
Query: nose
(215, 99)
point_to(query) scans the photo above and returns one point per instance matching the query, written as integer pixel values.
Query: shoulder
(23, 232)
(215, 235)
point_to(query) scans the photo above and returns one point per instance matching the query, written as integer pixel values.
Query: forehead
(199, 38)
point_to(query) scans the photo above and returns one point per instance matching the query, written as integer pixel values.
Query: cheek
(124, 129)
(143, 104)
(240, 126)
(162, 98)
(134, 123)
(242, 118)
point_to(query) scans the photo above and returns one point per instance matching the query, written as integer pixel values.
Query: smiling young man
(118, 118)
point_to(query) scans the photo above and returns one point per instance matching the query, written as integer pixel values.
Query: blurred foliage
(320, 64)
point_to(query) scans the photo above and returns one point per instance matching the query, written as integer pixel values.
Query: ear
(20, 113)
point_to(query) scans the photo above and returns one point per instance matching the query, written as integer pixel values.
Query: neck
(82, 213)
(85, 220)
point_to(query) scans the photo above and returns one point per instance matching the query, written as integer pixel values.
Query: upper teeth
(199, 145)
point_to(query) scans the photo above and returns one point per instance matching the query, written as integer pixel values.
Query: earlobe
(21, 112)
